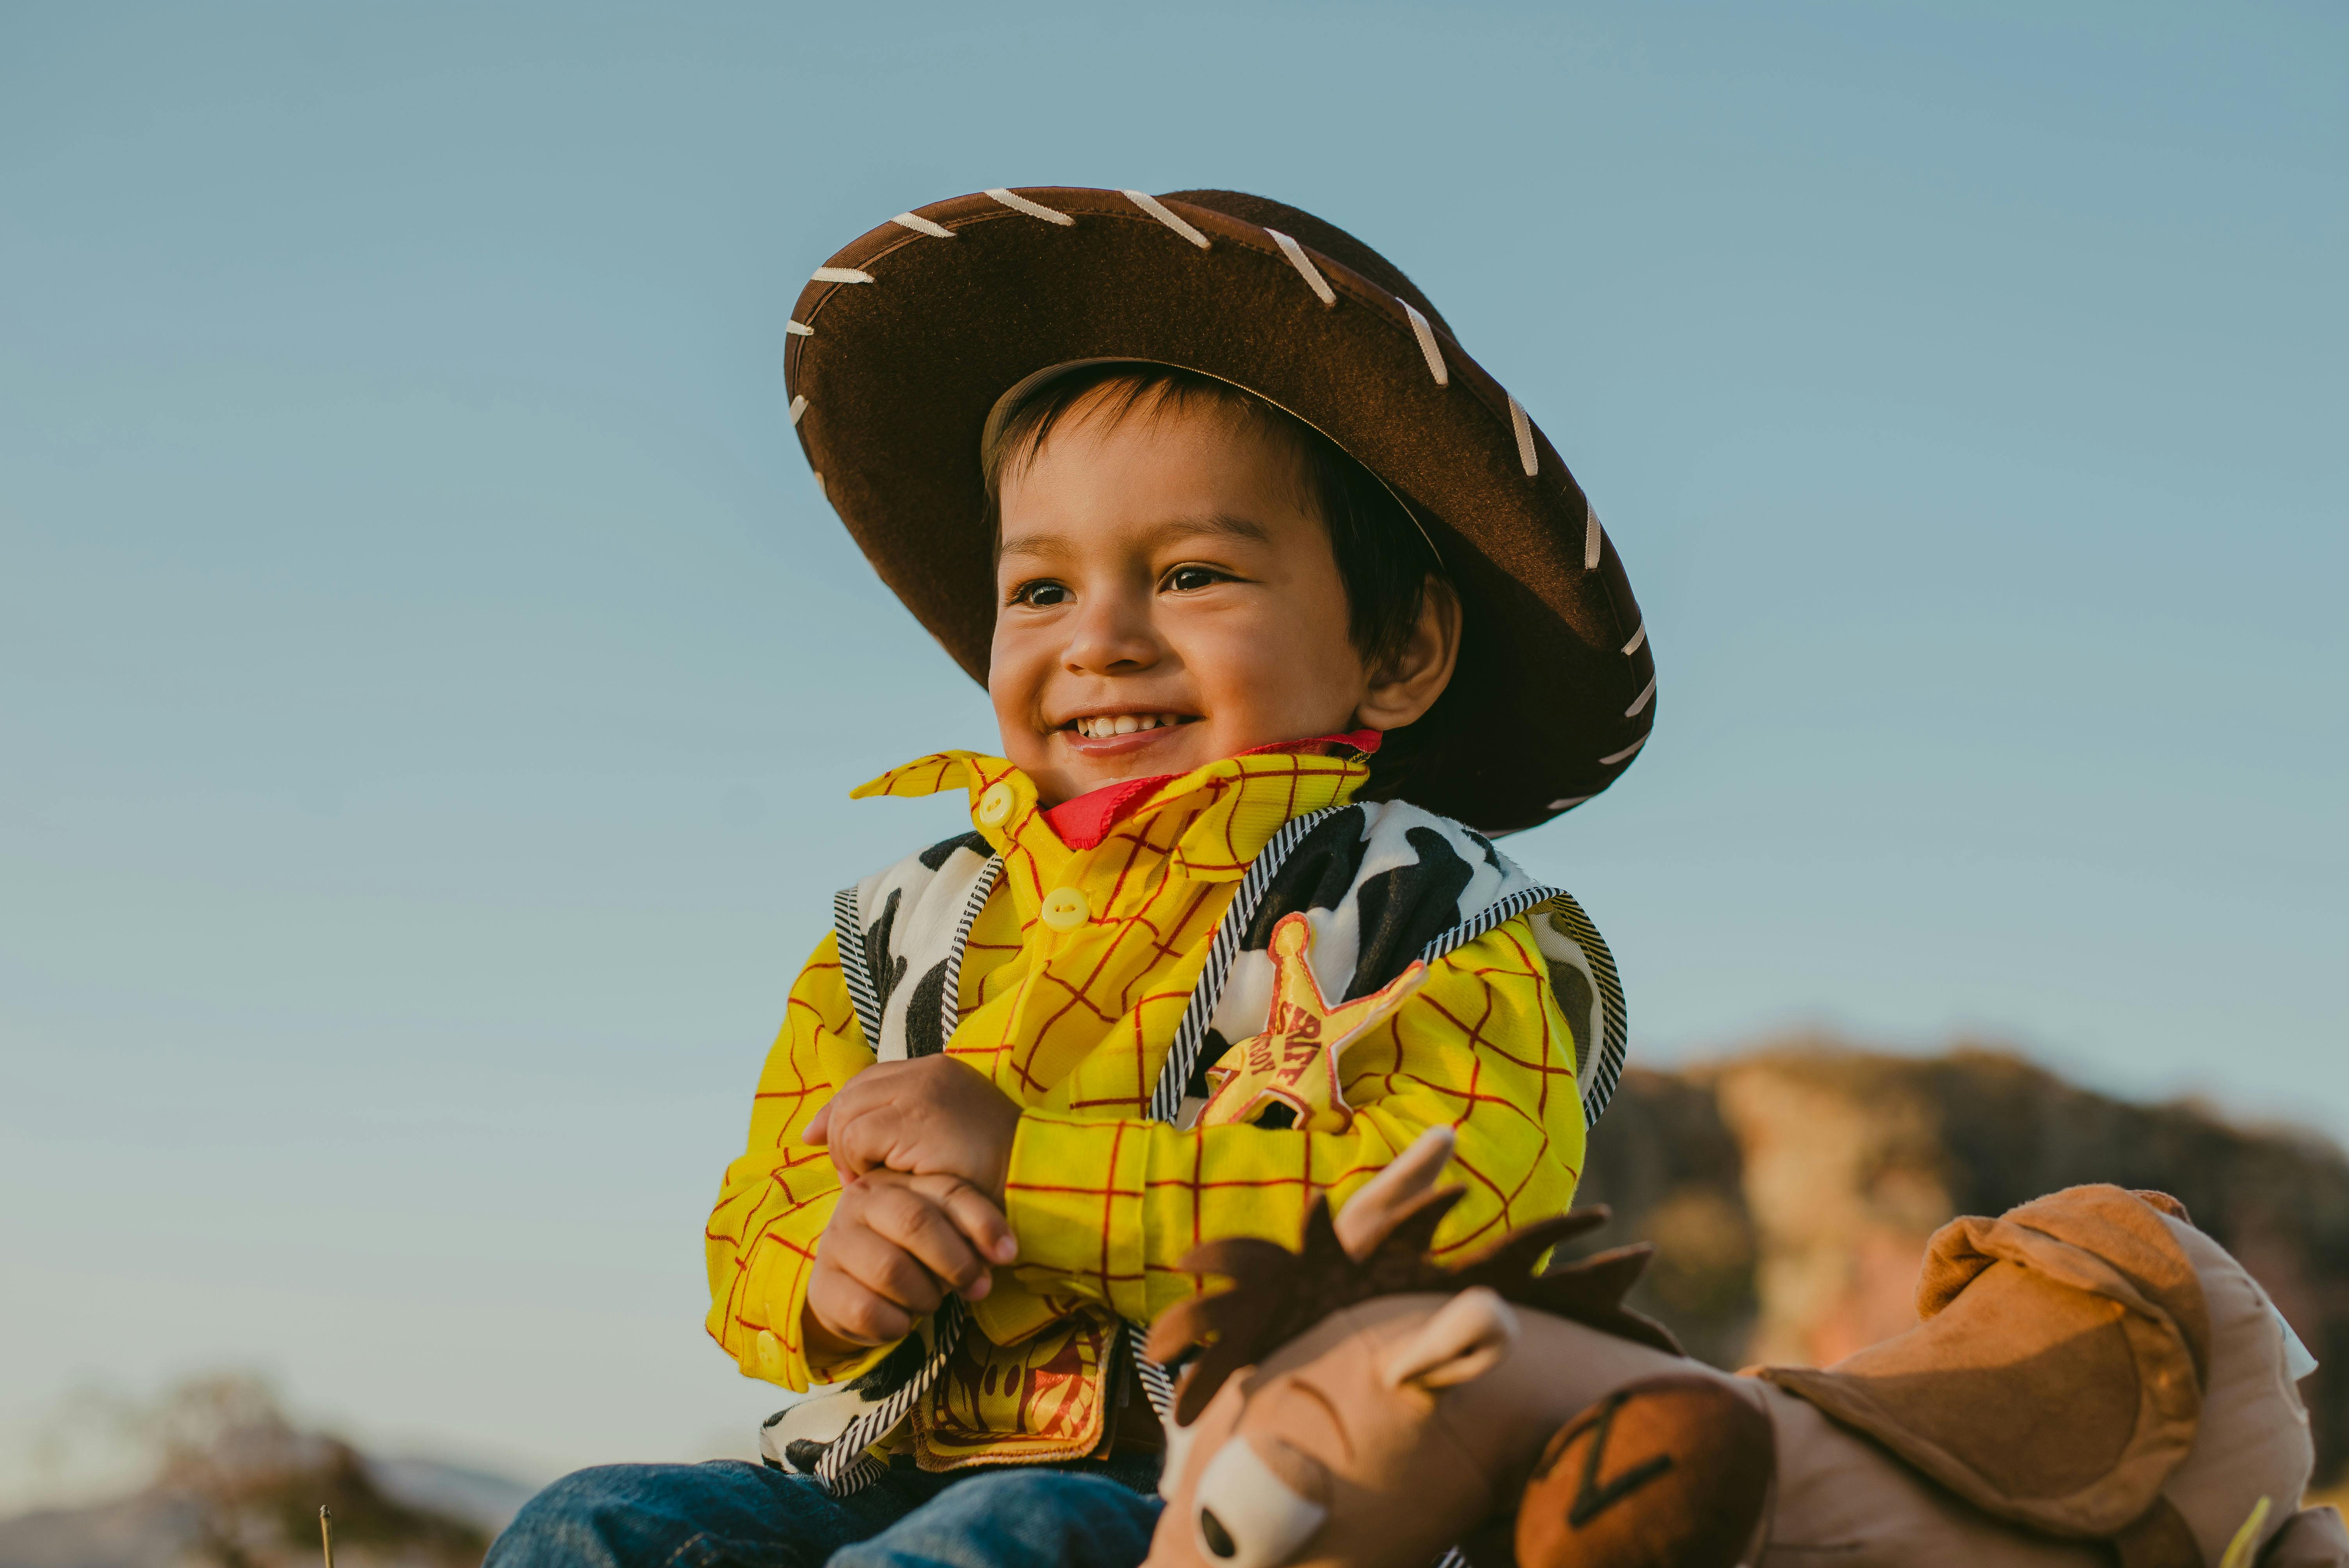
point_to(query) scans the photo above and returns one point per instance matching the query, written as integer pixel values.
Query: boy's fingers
(870, 1087)
(850, 1312)
(865, 1139)
(885, 1269)
(976, 1218)
(916, 1222)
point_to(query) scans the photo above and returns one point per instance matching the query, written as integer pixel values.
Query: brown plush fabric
(1671, 1472)
(2313, 1538)
(2057, 1379)
(2159, 1539)
(899, 375)
(2253, 1440)
(1278, 1294)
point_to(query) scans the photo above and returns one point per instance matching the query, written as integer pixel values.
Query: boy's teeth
(1105, 726)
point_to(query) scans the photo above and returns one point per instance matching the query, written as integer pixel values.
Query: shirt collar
(1084, 821)
(1234, 806)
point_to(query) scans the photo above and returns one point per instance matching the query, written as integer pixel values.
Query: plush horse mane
(1278, 1294)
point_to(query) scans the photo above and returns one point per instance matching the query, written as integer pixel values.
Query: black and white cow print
(1384, 883)
(913, 918)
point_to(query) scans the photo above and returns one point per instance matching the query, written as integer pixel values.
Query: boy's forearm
(760, 1244)
(777, 1199)
(759, 1294)
(1073, 1195)
(1109, 1209)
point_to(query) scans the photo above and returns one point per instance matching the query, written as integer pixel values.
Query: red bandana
(1084, 822)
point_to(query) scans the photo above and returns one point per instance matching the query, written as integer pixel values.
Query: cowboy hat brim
(903, 344)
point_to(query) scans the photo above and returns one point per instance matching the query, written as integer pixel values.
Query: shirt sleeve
(1107, 1208)
(760, 1242)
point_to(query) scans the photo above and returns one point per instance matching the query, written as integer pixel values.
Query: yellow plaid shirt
(1073, 1025)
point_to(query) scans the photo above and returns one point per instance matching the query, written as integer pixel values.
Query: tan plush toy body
(2095, 1382)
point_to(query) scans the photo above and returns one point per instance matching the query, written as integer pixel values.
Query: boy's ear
(1409, 686)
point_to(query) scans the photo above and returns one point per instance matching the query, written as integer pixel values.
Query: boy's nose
(1112, 633)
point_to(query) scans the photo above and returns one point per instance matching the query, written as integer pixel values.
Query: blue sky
(429, 678)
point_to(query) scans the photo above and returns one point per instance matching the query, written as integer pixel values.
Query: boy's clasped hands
(922, 1148)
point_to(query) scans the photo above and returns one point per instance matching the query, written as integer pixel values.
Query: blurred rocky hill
(238, 1486)
(1790, 1191)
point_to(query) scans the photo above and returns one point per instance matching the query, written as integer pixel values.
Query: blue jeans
(730, 1514)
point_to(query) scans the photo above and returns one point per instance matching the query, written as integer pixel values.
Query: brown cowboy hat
(905, 341)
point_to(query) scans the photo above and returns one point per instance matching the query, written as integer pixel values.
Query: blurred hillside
(1790, 1191)
(237, 1485)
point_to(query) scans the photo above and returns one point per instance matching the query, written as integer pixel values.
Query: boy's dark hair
(1385, 557)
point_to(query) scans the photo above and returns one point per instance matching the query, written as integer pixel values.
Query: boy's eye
(1184, 578)
(1036, 595)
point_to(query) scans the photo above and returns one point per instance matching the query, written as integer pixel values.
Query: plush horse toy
(2094, 1382)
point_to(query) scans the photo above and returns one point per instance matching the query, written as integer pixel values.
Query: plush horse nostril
(1219, 1540)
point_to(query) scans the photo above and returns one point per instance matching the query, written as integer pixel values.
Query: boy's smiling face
(1167, 596)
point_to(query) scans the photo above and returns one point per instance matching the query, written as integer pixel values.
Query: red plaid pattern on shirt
(1073, 1025)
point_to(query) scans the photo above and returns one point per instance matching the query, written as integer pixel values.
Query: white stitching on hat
(1304, 265)
(1564, 801)
(1637, 638)
(1020, 203)
(799, 407)
(1434, 356)
(799, 329)
(1634, 711)
(1590, 536)
(841, 275)
(1160, 211)
(921, 226)
(1527, 458)
(1623, 755)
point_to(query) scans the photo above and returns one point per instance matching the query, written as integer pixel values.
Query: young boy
(1269, 582)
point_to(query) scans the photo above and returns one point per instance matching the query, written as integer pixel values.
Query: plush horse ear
(1467, 1337)
(1387, 1199)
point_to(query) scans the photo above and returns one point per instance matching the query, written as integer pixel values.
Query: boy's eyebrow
(1223, 525)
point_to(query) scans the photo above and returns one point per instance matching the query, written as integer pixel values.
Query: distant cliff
(1790, 1192)
(240, 1487)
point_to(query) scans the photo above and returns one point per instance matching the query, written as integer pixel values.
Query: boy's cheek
(1016, 668)
(1017, 703)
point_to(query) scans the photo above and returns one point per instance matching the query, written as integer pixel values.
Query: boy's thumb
(819, 1127)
